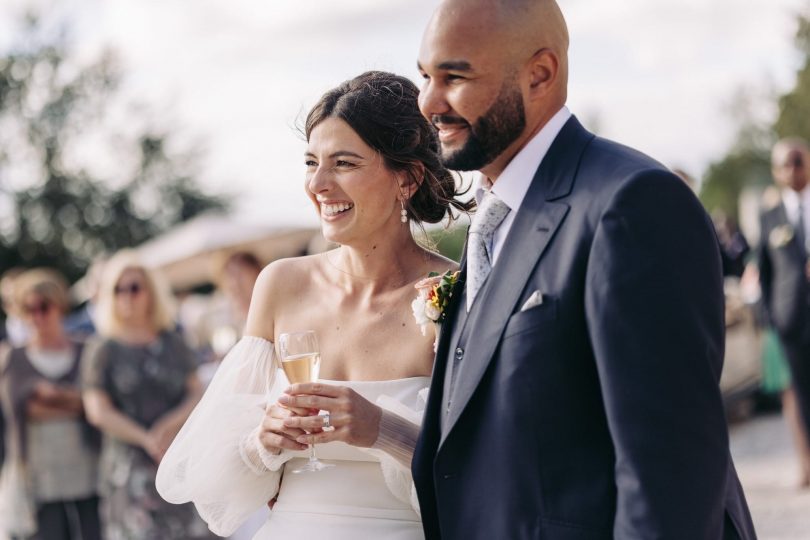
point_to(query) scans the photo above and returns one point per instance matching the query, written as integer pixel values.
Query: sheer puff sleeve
(216, 461)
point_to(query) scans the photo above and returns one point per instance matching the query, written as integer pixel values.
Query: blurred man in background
(784, 270)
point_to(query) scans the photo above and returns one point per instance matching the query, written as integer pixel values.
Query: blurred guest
(16, 332)
(237, 278)
(784, 271)
(139, 385)
(81, 324)
(224, 322)
(51, 471)
(734, 247)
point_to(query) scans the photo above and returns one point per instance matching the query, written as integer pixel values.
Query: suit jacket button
(449, 476)
(459, 353)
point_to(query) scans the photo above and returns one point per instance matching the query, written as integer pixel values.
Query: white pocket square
(534, 300)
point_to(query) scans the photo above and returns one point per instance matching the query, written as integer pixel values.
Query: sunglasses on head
(41, 308)
(132, 289)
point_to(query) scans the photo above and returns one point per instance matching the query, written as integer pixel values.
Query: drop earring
(403, 213)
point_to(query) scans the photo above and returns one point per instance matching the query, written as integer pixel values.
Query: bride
(372, 168)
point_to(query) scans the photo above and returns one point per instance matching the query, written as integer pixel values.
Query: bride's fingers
(318, 389)
(272, 441)
(277, 427)
(300, 411)
(307, 401)
(322, 437)
(310, 422)
(275, 423)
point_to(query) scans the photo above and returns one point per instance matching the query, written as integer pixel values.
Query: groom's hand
(354, 419)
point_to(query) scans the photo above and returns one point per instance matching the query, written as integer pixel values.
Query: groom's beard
(499, 127)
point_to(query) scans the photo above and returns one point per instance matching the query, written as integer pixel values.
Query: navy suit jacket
(596, 414)
(782, 262)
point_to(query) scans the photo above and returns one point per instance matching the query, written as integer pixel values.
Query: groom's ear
(543, 71)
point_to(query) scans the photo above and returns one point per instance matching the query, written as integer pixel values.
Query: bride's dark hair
(382, 109)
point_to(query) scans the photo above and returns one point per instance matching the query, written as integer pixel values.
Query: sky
(238, 76)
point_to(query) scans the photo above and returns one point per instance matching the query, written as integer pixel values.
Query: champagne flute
(301, 362)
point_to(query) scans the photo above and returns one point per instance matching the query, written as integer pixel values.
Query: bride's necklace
(342, 271)
(355, 276)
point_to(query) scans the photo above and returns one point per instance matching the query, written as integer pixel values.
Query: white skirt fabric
(345, 502)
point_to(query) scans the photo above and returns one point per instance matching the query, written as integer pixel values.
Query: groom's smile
(451, 129)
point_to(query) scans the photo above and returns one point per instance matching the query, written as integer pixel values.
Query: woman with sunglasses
(139, 386)
(49, 479)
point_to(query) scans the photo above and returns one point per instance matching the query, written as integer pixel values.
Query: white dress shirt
(513, 183)
(791, 200)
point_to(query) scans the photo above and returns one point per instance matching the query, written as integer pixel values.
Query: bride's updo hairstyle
(382, 109)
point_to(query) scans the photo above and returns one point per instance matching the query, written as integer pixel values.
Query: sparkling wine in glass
(301, 362)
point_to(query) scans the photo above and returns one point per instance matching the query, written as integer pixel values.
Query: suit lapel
(534, 226)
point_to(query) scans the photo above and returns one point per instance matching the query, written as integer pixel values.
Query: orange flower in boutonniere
(430, 304)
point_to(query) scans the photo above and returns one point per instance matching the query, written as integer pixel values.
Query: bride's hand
(354, 419)
(274, 435)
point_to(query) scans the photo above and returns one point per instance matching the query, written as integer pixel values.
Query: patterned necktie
(486, 220)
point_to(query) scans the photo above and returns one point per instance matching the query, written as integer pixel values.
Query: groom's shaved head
(516, 28)
(495, 72)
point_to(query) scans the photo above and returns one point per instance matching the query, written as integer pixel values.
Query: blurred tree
(747, 162)
(59, 206)
(794, 107)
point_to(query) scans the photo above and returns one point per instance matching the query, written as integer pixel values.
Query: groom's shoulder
(607, 166)
(609, 173)
(616, 160)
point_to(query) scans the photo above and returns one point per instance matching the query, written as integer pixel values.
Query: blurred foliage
(726, 179)
(748, 161)
(746, 164)
(449, 242)
(794, 107)
(66, 214)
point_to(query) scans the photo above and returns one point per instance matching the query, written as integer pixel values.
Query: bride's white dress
(217, 463)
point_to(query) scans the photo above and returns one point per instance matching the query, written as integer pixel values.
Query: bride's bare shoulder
(278, 282)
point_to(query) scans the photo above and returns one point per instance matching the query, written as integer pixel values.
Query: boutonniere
(430, 305)
(780, 236)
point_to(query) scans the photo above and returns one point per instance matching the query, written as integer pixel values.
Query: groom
(575, 393)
